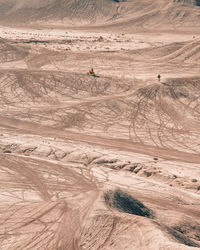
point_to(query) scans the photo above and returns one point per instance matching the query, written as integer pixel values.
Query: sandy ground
(75, 149)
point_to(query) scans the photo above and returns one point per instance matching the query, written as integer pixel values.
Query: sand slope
(130, 14)
(99, 163)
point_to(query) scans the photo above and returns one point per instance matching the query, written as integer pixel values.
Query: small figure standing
(91, 71)
(159, 76)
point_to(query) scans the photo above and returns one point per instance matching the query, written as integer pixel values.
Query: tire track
(32, 128)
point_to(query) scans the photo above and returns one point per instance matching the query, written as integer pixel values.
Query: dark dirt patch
(7, 152)
(182, 238)
(148, 173)
(126, 203)
(35, 41)
(184, 233)
(105, 161)
(189, 230)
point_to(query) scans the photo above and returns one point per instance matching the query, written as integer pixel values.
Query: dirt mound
(125, 203)
(52, 87)
(169, 113)
(165, 115)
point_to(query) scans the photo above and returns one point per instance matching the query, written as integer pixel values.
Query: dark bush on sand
(126, 203)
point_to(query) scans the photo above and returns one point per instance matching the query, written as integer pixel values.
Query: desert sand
(104, 162)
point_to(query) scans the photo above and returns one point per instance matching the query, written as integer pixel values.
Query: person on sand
(91, 71)
(159, 76)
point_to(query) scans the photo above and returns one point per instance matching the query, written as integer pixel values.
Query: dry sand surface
(99, 163)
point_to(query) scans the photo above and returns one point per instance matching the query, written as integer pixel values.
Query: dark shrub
(126, 203)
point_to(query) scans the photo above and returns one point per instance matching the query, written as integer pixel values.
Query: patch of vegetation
(35, 41)
(180, 237)
(124, 202)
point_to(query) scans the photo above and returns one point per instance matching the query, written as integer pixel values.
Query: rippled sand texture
(110, 162)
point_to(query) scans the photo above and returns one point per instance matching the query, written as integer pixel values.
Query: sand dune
(185, 52)
(84, 10)
(108, 161)
(129, 14)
